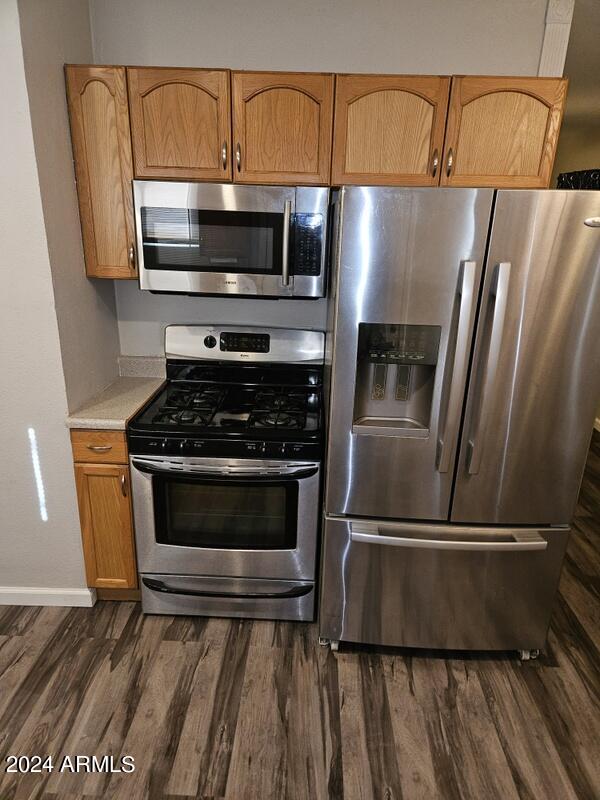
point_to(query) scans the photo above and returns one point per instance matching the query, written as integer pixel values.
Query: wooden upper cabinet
(97, 98)
(106, 525)
(389, 129)
(282, 124)
(180, 123)
(502, 132)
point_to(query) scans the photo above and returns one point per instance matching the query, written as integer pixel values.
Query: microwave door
(408, 274)
(214, 239)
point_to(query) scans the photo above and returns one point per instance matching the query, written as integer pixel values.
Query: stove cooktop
(232, 409)
(222, 416)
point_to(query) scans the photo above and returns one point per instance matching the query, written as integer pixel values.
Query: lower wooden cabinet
(103, 492)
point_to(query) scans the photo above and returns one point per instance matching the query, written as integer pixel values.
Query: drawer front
(99, 447)
(439, 586)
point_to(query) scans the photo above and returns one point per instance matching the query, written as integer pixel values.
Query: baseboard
(597, 424)
(40, 596)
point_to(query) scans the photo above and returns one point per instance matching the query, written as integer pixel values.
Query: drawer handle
(162, 586)
(99, 448)
(123, 485)
(522, 540)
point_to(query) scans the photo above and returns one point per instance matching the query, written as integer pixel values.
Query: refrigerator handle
(447, 440)
(499, 289)
(508, 541)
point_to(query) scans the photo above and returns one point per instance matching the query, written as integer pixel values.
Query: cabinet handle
(131, 256)
(123, 485)
(238, 157)
(449, 162)
(435, 162)
(224, 155)
(99, 448)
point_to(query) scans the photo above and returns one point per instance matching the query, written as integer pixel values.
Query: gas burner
(182, 416)
(280, 400)
(278, 419)
(207, 396)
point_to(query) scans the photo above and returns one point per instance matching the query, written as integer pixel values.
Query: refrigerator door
(535, 382)
(408, 267)
(439, 586)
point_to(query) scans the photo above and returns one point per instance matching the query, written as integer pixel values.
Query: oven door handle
(161, 586)
(285, 470)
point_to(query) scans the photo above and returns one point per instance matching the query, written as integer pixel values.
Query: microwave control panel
(308, 242)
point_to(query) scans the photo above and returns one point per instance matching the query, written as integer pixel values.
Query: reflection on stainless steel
(404, 561)
(232, 198)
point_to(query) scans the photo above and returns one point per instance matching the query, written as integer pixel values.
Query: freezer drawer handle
(161, 586)
(447, 441)
(522, 540)
(499, 289)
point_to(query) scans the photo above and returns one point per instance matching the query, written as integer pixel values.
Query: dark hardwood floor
(212, 708)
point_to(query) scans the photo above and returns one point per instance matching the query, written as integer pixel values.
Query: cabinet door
(97, 98)
(282, 124)
(180, 123)
(389, 129)
(106, 525)
(502, 132)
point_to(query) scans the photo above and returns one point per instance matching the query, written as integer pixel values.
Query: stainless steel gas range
(226, 474)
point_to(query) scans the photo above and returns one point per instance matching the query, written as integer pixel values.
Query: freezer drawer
(439, 586)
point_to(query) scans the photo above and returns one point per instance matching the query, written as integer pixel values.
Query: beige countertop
(115, 405)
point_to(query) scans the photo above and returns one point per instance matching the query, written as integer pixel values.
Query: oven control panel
(231, 342)
(220, 448)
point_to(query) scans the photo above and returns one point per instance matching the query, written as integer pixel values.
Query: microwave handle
(285, 264)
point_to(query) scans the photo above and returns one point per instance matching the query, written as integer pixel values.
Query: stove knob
(210, 341)
(164, 445)
(262, 447)
(282, 449)
(184, 446)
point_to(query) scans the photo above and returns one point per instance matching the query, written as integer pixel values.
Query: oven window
(193, 240)
(245, 515)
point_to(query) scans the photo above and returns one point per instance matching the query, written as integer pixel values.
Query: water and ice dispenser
(395, 376)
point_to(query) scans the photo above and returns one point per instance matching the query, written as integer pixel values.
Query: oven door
(214, 238)
(226, 517)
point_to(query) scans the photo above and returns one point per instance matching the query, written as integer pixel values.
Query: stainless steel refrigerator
(464, 380)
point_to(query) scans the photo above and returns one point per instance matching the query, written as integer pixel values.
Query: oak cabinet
(180, 123)
(282, 127)
(389, 129)
(502, 132)
(103, 494)
(97, 99)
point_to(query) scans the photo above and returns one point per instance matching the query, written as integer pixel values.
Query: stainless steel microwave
(221, 238)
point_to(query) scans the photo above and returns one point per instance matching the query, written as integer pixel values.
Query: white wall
(501, 37)
(579, 143)
(35, 552)
(54, 34)
(429, 36)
